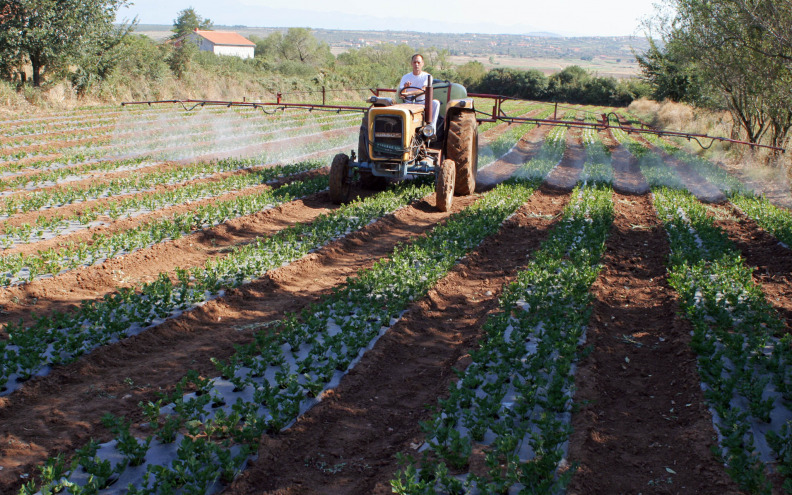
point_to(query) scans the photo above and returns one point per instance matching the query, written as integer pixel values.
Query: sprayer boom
(605, 121)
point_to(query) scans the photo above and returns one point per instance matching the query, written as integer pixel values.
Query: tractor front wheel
(462, 147)
(339, 179)
(444, 187)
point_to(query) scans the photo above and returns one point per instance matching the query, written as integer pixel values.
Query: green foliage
(181, 58)
(141, 57)
(380, 66)
(573, 84)
(188, 21)
(50, 33)
(742, 52)
(530, 84)
(668, 73)
(295, 53)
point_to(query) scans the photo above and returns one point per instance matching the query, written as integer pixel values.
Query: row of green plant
(598, 166)
(52, 125)
(82, 118)
(104, 116)
(44, 129)
(653, 167)
(743, 363)
(513, 402)
(293, 144)
(17, 268)
(145, 203)
(777, 221)
(208, 139)
(63, 337)
(278, 375)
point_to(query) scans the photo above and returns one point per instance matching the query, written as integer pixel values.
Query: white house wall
(207, 46)
(237, 51)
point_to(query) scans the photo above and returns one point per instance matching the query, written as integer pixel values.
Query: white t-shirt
(418, 81)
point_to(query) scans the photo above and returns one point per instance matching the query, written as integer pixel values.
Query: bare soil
(61, 411)
(375, 412)
(641, 425)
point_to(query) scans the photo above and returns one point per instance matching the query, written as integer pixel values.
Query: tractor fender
(461, 104)
(456, 106)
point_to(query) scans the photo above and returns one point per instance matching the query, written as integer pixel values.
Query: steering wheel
(411, 92)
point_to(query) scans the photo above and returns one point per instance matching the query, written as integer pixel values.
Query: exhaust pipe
(428, 97)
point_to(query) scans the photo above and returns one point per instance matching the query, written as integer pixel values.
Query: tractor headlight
(428, 130)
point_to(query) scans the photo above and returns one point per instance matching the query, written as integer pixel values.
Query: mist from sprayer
(173, 134)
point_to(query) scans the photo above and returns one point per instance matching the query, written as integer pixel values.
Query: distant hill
(549, 52)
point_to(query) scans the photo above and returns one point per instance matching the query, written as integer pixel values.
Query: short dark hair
(412, 59)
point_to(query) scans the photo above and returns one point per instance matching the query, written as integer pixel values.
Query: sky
(563, 17)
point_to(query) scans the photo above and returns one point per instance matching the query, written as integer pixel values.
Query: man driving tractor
(420, 80)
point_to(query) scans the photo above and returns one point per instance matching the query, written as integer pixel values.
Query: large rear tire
(462, 148)
(339, 179)
(444, 187)
(367, 179)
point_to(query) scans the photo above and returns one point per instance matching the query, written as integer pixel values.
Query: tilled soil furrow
(376, 410)
(700, 187)
(772, 261)
(61, 411)
(643, 424)
(565, 176)
(627, 177)
(525, 149)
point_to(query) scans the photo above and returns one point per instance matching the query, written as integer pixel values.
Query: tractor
(398, 139)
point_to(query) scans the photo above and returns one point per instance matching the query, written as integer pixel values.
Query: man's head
(417, 63)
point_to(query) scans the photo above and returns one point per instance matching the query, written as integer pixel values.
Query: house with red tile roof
(223, 43)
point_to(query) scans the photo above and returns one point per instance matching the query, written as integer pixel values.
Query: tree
(471, 73)
(47, 33)
(188, 21)
(741, 50)
(568, 84)
(671, 76)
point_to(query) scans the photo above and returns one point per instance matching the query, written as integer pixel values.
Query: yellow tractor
(398, 139)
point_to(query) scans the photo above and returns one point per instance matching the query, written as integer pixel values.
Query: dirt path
(348, 442)
(643, 425)
(627, 177)
(565, 176)
(61, 411)
(525, 149)
(702, 189)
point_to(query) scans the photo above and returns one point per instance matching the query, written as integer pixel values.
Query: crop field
(184, 310)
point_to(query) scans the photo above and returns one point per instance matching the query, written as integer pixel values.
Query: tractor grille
(387, 137)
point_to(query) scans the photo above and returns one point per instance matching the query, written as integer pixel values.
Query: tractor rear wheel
(462, 147)
(339, 179)
(367, 179)
(444, 187)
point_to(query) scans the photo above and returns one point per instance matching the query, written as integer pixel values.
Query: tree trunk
(37, 64)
